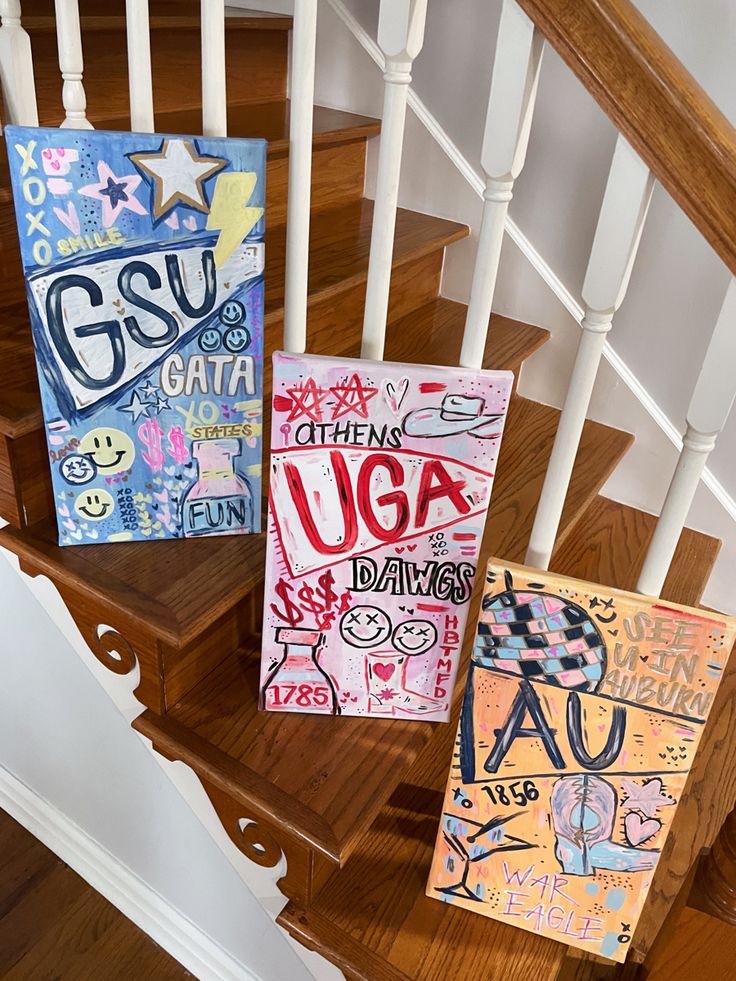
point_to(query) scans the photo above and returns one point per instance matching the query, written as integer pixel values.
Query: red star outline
(353, 397)
(307, 400)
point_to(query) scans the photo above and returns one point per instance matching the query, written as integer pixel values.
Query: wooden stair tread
(264, 121)
(438, 342)
(296, 770)
(216, 730)
(214, 574)
(404, 933)
(38, 15)
(609, 543)
(339, 246)
(522, 465)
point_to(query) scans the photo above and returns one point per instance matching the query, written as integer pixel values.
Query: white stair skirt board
(131, 895)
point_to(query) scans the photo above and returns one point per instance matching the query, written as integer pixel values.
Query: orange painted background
(582, 715)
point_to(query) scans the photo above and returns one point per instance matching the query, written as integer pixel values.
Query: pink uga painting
(380, 480)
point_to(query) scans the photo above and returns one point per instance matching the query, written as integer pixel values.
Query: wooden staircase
(352, 803)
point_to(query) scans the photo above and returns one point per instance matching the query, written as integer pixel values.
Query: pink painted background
(380, 481)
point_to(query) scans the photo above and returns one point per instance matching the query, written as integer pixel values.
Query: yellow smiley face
(94, 504)
(111, 450)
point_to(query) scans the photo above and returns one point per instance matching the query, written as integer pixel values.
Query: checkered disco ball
(541, 637)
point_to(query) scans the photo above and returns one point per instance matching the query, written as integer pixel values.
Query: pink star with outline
(115, 193)
(647, 797)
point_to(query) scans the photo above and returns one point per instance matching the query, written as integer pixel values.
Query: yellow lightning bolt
(229, 213)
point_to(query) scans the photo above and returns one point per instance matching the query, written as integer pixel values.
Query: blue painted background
(147, 500)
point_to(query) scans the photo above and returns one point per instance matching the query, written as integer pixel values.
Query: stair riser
(182, 669)
(338, 174)
(265, 842)
(25, 484)
(256, 70)
(166, 673)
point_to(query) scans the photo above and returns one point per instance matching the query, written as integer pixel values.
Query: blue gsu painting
(144, 258)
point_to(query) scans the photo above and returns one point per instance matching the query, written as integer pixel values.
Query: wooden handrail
(655, 103)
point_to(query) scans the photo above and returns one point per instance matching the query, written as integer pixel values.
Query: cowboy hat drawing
(457, 414)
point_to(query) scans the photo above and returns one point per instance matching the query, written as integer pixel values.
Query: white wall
(63, 738)
(662, 330)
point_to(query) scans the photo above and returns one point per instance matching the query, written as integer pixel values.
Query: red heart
(384, 671)
(411, 547)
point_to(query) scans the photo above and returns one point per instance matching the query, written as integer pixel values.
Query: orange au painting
(582, 715)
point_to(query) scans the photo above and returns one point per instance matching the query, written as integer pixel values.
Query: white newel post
(140, 83)
(508, 122)
(303, 41)
(400, 37)
(16, 67)
(709, 408)
(214, 93)
(620, 223)
(69, 40)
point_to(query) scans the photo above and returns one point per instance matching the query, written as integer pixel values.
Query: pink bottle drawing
(297, 678)
(220, 501)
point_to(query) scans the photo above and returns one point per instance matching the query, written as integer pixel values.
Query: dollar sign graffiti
(291, 613)
(318, 600)
(150, 434)
(177, 447)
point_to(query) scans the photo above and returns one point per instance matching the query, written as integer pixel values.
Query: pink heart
(56, 440)
(63, 510)
(70, 218)
(172, 221)
(395, 394)
(637, 830)
(602, 727)
(69, 524)
(655, 732)
(190, 223)
(162, 496)
(384, 671)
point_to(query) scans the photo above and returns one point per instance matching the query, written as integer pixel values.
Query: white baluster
(709, 408)
(620, 223)
(400, 37)
(16, 67)
(140, 83)
(71, 63)
(303, 39)
(214, 96)
(508, 120)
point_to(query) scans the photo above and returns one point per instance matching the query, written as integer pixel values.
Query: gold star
(179, 172)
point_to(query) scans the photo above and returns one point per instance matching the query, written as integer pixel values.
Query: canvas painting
(380, 481)
(143, 258)
(582, 715)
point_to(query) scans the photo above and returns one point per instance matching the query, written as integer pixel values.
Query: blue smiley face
(210, 339)
(232, 312)
(237, 339)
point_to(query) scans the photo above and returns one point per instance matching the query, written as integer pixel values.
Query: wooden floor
(704, 949)
(54, 926)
